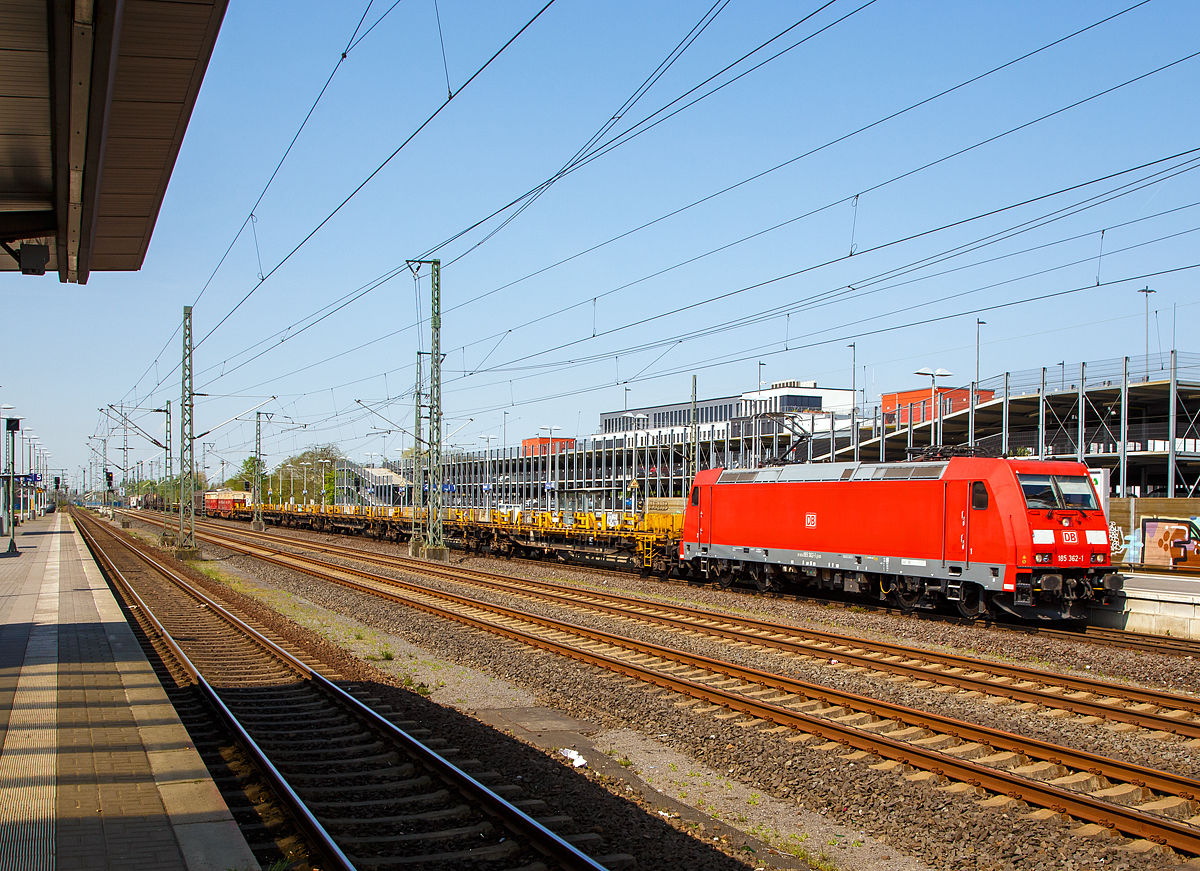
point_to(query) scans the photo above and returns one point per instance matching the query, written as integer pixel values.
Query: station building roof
(95, 97)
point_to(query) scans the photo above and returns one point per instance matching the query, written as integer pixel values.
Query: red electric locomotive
(1023, 536)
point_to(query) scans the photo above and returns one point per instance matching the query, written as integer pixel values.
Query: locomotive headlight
(1041, 557)
(1098, 557)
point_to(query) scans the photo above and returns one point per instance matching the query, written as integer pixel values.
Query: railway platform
(96, 769)
(1155, 604)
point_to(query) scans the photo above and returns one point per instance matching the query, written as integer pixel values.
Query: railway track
(1117, 638)
(1088, 697)
(366, 793)
(1140, 802)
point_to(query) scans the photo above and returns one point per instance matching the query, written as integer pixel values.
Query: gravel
(796, 785)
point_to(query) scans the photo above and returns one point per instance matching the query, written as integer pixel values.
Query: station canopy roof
(95, 96)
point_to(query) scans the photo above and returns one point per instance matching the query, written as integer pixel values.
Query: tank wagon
(1026, 537)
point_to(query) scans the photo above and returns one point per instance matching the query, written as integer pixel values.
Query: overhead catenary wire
(865, 282)
(677, 52)
(378, 169)
(875, 187)
(774, 348)
(287, 151)
(876, 248)
(608, 146)
(909, 108)
(508, 331)
(264, 278)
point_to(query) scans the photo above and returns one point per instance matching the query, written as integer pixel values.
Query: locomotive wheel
(907, 593)
(764, 582)
(725, 578)
(973, 602)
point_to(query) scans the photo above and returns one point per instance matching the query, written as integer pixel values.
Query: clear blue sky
(541, 348)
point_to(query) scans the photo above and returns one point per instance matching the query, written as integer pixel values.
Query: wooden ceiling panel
(24, 26)
(154, 28)
(121, 180)
(23, 74)
(116, 225)
(153, 79)
(19, 149)
(148, 61)
(30, 181)
(125, 205)
(143, 120)
(115, 263)
(29, 115)
(126, 152)
(118, 245)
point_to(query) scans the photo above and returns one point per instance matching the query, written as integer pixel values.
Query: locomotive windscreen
(1058, 491)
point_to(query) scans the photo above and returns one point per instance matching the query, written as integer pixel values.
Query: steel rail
(516, 820)
(1136, 640)
(319, 837)
(1128, 820)
(1123, 639)
(587, 598)
(1160, 781)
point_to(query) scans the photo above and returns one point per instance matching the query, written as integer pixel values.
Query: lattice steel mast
(187, 471)
(257, 525)
(433, 530)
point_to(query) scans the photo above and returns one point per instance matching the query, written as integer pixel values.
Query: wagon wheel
(907, 593)
(973, 601)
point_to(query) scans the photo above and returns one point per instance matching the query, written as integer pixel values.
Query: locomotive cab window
(695, 495)
(1076, 491)
(1058, 491)
(979, 496)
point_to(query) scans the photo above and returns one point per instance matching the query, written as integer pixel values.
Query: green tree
(314, 463)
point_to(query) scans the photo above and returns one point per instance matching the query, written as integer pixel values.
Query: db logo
(810, 520)
(1070, 536)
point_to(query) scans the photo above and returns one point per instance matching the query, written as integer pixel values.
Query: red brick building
(951, 399)
(537, 447)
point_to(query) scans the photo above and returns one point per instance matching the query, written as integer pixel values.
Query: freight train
(1026, 537)
(975, 535)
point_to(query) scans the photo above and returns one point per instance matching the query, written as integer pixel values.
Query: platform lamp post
(12, 425)
(43, 493)
(549, 444)
(166, 538)
(854, 397)
(487, 489)
(34, 446)
(323, 463)
(305, 493)
(934, 375)
(1146, 291)
(639, 422)
(6, 486)
(22, 462)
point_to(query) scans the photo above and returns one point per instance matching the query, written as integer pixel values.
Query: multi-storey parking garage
(1136, 416)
